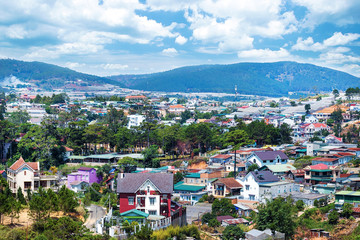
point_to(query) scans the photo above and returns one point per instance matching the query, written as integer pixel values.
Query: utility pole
(235, 165)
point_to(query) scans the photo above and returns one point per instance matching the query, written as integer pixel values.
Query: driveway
(193, 212)
(96, 212)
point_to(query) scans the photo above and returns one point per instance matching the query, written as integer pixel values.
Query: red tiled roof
(222, 156)
(67, 149)
(177, 106)
(356, 210)
(17, 164)
(319, 166)
(230, 182)
(354, 149)
(21, 161)
(320, 125)
(325, 159)
(346, 154)
(345, 175)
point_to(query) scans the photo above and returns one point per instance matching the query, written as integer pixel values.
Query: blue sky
(108, 37)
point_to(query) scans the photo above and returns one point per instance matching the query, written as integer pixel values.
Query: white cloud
(341, 39)
(15, 32)
(264, 55)
(74, 65)
(181, 40)
(114, 66)
(337, 58)
(337, 39)
(170, 52)
(339, 12)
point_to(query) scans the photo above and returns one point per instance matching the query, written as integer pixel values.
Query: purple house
(84, 174)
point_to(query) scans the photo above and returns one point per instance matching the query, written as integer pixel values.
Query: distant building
(135, 120)
(321, 173)
(83, 177)
(266, 158)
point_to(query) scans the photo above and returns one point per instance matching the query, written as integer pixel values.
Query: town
(156, 166)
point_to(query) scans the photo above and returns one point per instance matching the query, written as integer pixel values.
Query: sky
(110, 37)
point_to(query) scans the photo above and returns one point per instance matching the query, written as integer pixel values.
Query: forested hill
(270, 79)
(48, 75)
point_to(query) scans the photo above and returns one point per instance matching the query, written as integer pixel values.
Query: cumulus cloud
(181, 40)
(337, 39)
(170, 52)
(264, 54)
(114, 66)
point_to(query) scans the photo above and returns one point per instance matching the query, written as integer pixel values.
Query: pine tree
(20, 196)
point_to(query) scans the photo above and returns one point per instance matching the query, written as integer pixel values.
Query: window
(25, 173)
(152, 212)
(252, 197)
(152, 201)
(247, 187)
(131, 200)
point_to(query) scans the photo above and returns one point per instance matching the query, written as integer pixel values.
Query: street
(193, 212)
(95, 212)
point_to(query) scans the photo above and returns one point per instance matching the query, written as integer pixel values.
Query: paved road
(96, 212)
(193, 212)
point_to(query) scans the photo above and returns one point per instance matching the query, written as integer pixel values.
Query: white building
(27, 176)
(135, 120)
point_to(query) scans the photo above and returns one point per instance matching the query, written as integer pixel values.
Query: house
(266, 158)
(321, 173)
(307, 198)
(333, 139)
(176, 109)
(271, 190)
(326, 161)
(279, 169)
(296, 175)
(255, 234)
(135, 120)
(137, 98)
(189, 194)
(147, 192)
(79, 186)
(252, 181)
(27, 175)
(68, 152)
(352, 197)
(240, 166)
(235, 221)
(226, 186)
(84, 174)
(3, 173)
(220, 159)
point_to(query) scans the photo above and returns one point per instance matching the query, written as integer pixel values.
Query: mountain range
(268, 79)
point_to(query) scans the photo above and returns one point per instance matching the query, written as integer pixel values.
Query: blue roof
(193, 175)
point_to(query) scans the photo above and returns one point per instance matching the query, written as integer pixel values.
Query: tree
(233, 232)
(149, 154)
(300, 205)
(19, 117)
(333, 217)
(67, 199)
(277, 215)
(144, 233)
(207, 217)
(347, 210)
(214, 223)
(20, 196)
(336, 94)
(307, 108)
(237, 138)
(178, 176)
(39, 207)
(223, 207)
(252, 167)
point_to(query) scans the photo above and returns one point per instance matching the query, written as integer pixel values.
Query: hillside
(270, 79)
(45, 75)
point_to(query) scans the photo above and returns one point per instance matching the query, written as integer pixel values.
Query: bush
(214, 223)
(333, 217)
(300, 205)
